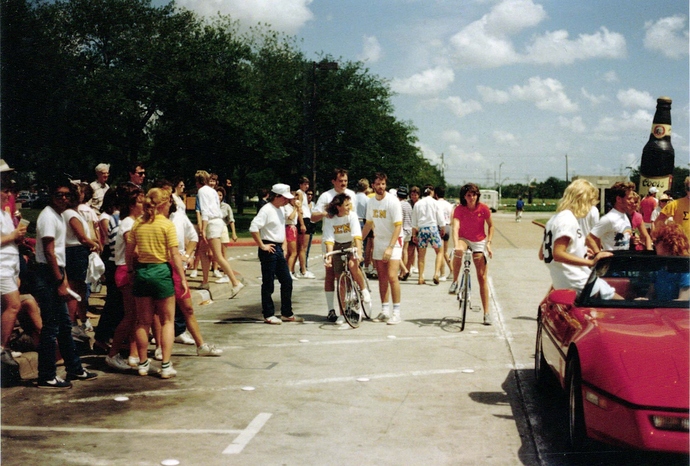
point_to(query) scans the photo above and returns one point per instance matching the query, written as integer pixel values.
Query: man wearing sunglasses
(137, 173)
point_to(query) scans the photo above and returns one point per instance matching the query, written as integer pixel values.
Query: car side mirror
(564, 297)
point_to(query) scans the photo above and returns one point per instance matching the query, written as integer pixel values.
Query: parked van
(490, 198)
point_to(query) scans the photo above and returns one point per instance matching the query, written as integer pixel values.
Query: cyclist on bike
(340, 230)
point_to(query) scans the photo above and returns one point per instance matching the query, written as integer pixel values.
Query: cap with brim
(282, 190)
(653, 190)
(4, 167)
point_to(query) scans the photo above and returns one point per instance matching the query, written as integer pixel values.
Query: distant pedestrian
(304, 230)
(519, 208)
(100, 185)
(426, 219)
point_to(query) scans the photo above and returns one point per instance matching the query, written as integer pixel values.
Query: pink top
(647, 206)
(472, 221)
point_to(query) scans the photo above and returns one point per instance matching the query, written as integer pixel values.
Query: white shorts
(214, 228)
(604, 290)
(381, 246)
(476, 247)
(8, 284)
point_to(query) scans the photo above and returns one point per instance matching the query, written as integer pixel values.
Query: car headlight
(680, 424)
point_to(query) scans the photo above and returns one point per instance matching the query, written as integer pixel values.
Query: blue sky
(507, 86)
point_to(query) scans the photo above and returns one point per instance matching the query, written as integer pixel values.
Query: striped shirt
(153, 240)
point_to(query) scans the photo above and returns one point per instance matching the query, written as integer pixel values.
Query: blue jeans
(57, 327)
(272, 266)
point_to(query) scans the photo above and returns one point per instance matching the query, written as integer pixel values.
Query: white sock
(396, 308)
(330, 299)
(386, 308)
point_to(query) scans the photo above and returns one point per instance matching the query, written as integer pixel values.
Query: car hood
(638, 355)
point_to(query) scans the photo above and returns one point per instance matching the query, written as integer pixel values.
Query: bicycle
(465, 288)
(348, 292)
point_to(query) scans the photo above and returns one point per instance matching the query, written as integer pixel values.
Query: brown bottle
(658, 156)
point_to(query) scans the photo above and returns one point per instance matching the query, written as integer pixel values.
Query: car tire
(541, 368)
(576, 413)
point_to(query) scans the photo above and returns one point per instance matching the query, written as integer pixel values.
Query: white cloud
(546, 94)
(427, 82)
(505, 138)
(487, 42)
(611, 77)
(555, 47)
(594, 99)
(452, 136)
(640, 121)
(632, 98)
(667, 36)
(574, 124)
(459, 107)
(284, 15)
(371, 51)
(493, 95)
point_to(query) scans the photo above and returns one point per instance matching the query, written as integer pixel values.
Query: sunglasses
(140, 173)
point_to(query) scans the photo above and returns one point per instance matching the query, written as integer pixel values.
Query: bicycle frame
(465, 288)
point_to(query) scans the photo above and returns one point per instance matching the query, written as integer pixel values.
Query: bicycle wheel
(368, 308)
(348, 299)
(464, 297)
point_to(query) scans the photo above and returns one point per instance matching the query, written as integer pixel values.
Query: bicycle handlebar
(341, 252)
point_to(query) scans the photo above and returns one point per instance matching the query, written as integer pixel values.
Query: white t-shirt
(446, 209)
(269, 223)
(614, 231)
(185, 230)
(588, 221)
(50, 224)
(9, 252)
(71, 239)
(209, 204)
(565, 276)
(288, 209)
(426, 213)
(386, 215)
(120, 243)
(341, 229)
(361, 200)
(326, 198)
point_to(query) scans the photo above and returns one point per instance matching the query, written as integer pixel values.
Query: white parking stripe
(247, 434)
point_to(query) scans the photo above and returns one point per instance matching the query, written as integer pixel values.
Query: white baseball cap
(283, 190)
(653, 190)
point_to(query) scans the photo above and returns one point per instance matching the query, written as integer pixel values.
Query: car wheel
(540, 366)
(576, 413)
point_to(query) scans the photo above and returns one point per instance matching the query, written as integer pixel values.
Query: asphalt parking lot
(420, 392)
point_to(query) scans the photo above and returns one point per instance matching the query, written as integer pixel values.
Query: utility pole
(566, 168)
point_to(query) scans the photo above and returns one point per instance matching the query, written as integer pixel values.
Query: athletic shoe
(133, 362)
(273, 320)
(117, 362)
(236, 289)
(208, 350)
(224, 279)
(185, 338)
(394, 320)
(158, 354)
(442, 278)
(87, 325)
(144, 368)
(217, 273)
(167, 372)
(293, 276)
(453, 288)
(487, 319)
(340, 320)
(84, 375)
(6, 358)
(366, 296)
(331, 316)
(292, 318)
(308, 274)
(382, 317)
(194, 274)
(78, 333)
(56, 382)
(414, 271)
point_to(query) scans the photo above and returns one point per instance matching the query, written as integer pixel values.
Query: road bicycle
(350, 300)
(465, 288)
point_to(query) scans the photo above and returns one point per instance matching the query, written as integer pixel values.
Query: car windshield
(640, 280)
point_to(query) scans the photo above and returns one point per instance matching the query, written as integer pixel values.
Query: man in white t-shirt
(384, 216)
(614, 231)
(268, 231)
(100, 185)
(339, 180)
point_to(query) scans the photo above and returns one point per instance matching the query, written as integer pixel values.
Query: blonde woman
(153, 243)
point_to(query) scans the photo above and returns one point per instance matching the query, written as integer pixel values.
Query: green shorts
(153, 281)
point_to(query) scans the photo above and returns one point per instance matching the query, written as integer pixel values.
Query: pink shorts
(179, 290)
(290, 233)
(122, 278)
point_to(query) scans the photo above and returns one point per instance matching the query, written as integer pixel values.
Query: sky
(506, 91)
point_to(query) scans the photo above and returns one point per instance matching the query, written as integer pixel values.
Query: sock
(330, 297)
(165, 365)
(386, 308)
(396, 308)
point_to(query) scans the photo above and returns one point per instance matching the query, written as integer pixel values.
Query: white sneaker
(273, 320)
(217, 273)
(414, 271)
(442, 278)
(394, 320)
(298, 274)
(78, 333)
(309, 274)
(340, 320)
(224, 279)
(87, 325)
(294, 277)
(133, 361)
(158, 354)
(208, 350)
(366, 296)
(117, 362)
(194, 274)
(236, 289)
(185, 338)
(382, 317)
(168, 372)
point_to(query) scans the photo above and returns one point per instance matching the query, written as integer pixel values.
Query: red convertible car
(623, 362)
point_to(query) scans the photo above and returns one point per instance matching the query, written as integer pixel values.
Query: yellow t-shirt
(679, 211)
(153, 240)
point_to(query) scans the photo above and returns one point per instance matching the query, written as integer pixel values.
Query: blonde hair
(152, 202)
(579, 197)
(202, 177)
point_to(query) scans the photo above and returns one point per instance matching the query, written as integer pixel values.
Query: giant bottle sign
(658, 156)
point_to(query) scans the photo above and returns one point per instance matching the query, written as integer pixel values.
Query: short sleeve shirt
(565, 276)
(472, 221)
(153, 240)
(50, 224)
(614, 231)
(341, 229)
(386, 215)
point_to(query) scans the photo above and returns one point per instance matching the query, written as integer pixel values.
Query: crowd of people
(144, 246)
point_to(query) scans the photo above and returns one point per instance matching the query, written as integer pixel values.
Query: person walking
(305, 230)
(401, 193)
(268, 230)
(473, 229)
(519, 208)
(384, 215)
(426, 218)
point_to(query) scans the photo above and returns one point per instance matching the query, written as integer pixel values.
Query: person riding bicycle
(340, 230)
